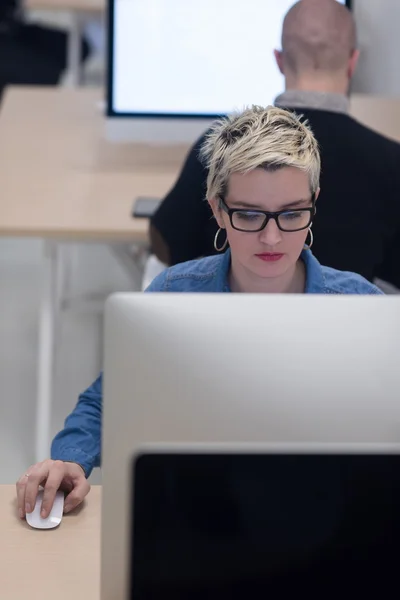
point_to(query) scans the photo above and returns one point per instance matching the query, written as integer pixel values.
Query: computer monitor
(239, 369)
(234, 524)
(175, 65)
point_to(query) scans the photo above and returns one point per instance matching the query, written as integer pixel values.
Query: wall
(378, 24)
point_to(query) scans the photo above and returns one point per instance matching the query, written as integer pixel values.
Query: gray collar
(315, 100)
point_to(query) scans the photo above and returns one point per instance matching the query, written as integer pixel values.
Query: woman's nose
(271, 234)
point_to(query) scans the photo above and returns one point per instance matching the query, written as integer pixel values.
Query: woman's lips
(270, 256)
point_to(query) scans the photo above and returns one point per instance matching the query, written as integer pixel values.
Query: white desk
(60, 180)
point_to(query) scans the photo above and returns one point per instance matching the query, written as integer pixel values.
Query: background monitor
(175, 65)
(239, 369)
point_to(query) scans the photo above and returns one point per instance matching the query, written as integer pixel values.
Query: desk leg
(46, 358)
(74, 51)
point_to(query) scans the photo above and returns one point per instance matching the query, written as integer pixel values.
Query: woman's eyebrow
(294, 204)
(240, 204)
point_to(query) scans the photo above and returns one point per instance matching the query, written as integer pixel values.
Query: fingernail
(67, 508)
(27, 507)
(21, 513)
(43, 513)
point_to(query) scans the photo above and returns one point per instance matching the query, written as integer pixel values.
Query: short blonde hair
(269, 138)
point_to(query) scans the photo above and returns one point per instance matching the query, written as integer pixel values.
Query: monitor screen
(227, 526)
(193, 58)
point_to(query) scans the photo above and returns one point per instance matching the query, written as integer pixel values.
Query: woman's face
(271, 252)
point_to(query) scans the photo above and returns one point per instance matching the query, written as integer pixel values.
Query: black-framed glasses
(251, 221)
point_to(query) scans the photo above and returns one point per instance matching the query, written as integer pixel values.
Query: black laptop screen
(278, 526)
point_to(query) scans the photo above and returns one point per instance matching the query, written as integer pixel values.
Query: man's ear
(217, 212)
(279, 60)
(353, 62)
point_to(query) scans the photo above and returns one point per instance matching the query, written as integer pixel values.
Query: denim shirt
(80, 440)
(211, 275)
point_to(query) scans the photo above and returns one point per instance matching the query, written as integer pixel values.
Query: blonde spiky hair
(270, 138)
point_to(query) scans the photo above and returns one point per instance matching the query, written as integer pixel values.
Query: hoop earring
(308, 246)
(224, 245)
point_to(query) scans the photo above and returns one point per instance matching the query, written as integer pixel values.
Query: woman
(263, 185)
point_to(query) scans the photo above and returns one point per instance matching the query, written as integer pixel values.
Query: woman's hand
(52, 475)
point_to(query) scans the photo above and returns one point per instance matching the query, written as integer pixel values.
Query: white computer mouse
(53, 520)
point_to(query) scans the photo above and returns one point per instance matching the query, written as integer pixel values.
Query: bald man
(319, 48)
(357, 227)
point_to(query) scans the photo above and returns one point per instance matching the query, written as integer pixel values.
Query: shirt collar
(315, 280)
(338, 103)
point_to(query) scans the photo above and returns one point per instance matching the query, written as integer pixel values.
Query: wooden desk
(60, 177)
(77, 10)
(59, 564)
(379, 113)
(61, 180)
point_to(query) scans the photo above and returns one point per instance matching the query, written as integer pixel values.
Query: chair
(152, 268)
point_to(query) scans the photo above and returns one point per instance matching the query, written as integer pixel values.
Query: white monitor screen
(193, 57)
